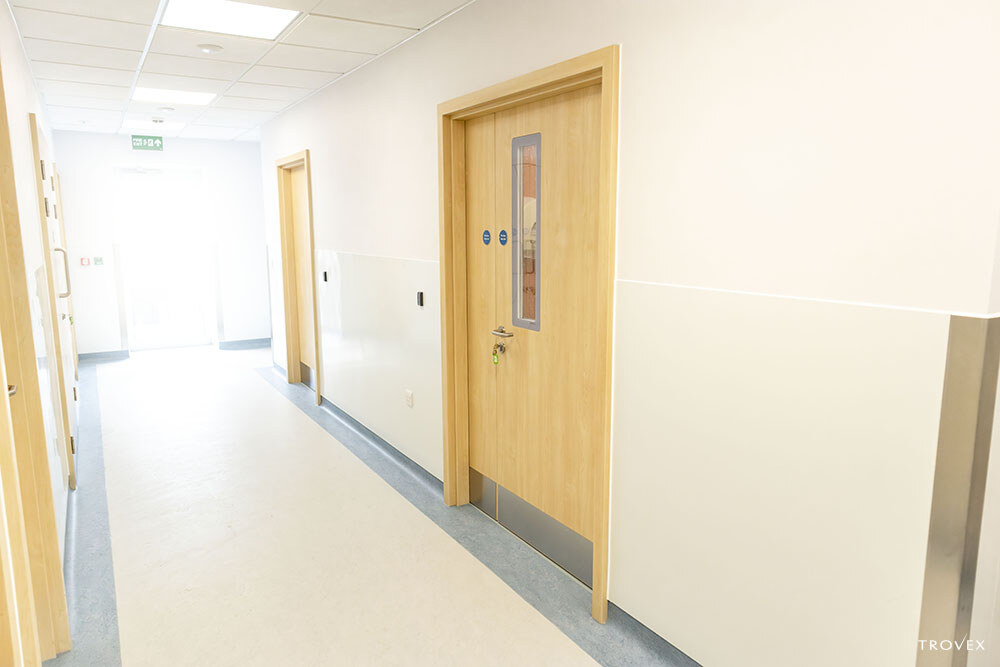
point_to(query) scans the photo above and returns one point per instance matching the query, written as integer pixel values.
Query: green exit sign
(144, 143)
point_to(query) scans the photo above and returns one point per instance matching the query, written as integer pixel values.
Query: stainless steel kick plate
(563, 546)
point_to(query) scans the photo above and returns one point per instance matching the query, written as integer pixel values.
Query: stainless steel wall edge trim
(967, 406)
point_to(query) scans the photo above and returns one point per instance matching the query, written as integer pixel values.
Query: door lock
(498, 349)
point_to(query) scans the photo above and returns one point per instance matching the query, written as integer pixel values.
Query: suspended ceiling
(89, 57)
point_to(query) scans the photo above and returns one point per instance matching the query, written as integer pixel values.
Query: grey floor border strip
(88, 568)
(564, 601)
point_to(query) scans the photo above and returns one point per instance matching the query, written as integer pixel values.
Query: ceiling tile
(64, 72)
(81, 54)
(160, 63)
(234, 118)
(101, 129)
(85, 102)
(136, 11)
(265, 92)
(330, 33)
(249, 103)
(393, 12)
(250, 135)
(288, 77)
(80, 29)
(189, 83)
(306, 57)
(73, 116)
(180, 42)
(211, 132)
(166, 129)
(297, 5)
(50, 88)
(181, 112)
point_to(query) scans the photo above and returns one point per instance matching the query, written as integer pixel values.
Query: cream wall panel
(773, 463)
(764, 146)
(377, 343)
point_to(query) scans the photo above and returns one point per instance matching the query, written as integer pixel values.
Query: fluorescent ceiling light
(164, 96)
(150, 126)
(230, 18)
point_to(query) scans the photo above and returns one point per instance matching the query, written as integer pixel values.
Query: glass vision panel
(525, 223)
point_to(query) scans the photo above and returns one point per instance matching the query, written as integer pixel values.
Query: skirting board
(247, 344)
(98, 357)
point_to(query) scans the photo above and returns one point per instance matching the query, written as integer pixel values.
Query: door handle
(500, 333)
(69, 289)
(11, 389)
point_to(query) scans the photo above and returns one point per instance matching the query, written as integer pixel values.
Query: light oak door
(302, 242)
(55, 315)
(532, 175)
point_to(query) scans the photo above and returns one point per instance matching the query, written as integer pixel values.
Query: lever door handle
(11, 389)
(65, 257)
(500, 333)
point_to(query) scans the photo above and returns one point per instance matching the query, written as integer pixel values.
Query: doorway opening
(298, 252)
(169, 274)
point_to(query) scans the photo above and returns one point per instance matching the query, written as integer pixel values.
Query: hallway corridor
(243, 534)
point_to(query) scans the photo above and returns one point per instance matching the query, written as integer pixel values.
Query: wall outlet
(409, 398)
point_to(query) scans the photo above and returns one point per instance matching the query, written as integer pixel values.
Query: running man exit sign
(144, 143)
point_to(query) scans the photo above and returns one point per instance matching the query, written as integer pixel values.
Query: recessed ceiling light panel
(164, 96)
(227, 17)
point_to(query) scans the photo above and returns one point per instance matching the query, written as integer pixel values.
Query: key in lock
(498, 349)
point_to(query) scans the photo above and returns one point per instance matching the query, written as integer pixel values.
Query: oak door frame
(597, 67)
(30, 445)
(292, 352)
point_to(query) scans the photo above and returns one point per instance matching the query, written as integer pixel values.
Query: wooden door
(535, 415)
(54, 309)
(481, 263)
(67, 305)
(302, 235)
(550, 382)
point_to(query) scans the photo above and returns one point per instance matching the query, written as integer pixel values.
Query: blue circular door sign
(503, 237)
(486, 237)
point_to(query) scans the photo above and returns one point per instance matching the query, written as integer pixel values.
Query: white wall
(22, 99)
(230, 174)
(840, 152)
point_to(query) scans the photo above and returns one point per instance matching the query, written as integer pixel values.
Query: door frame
(597, 67)
(30, 446)
(292, 352)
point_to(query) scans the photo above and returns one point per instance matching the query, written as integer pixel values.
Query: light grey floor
(561, 598)
(90, 577)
